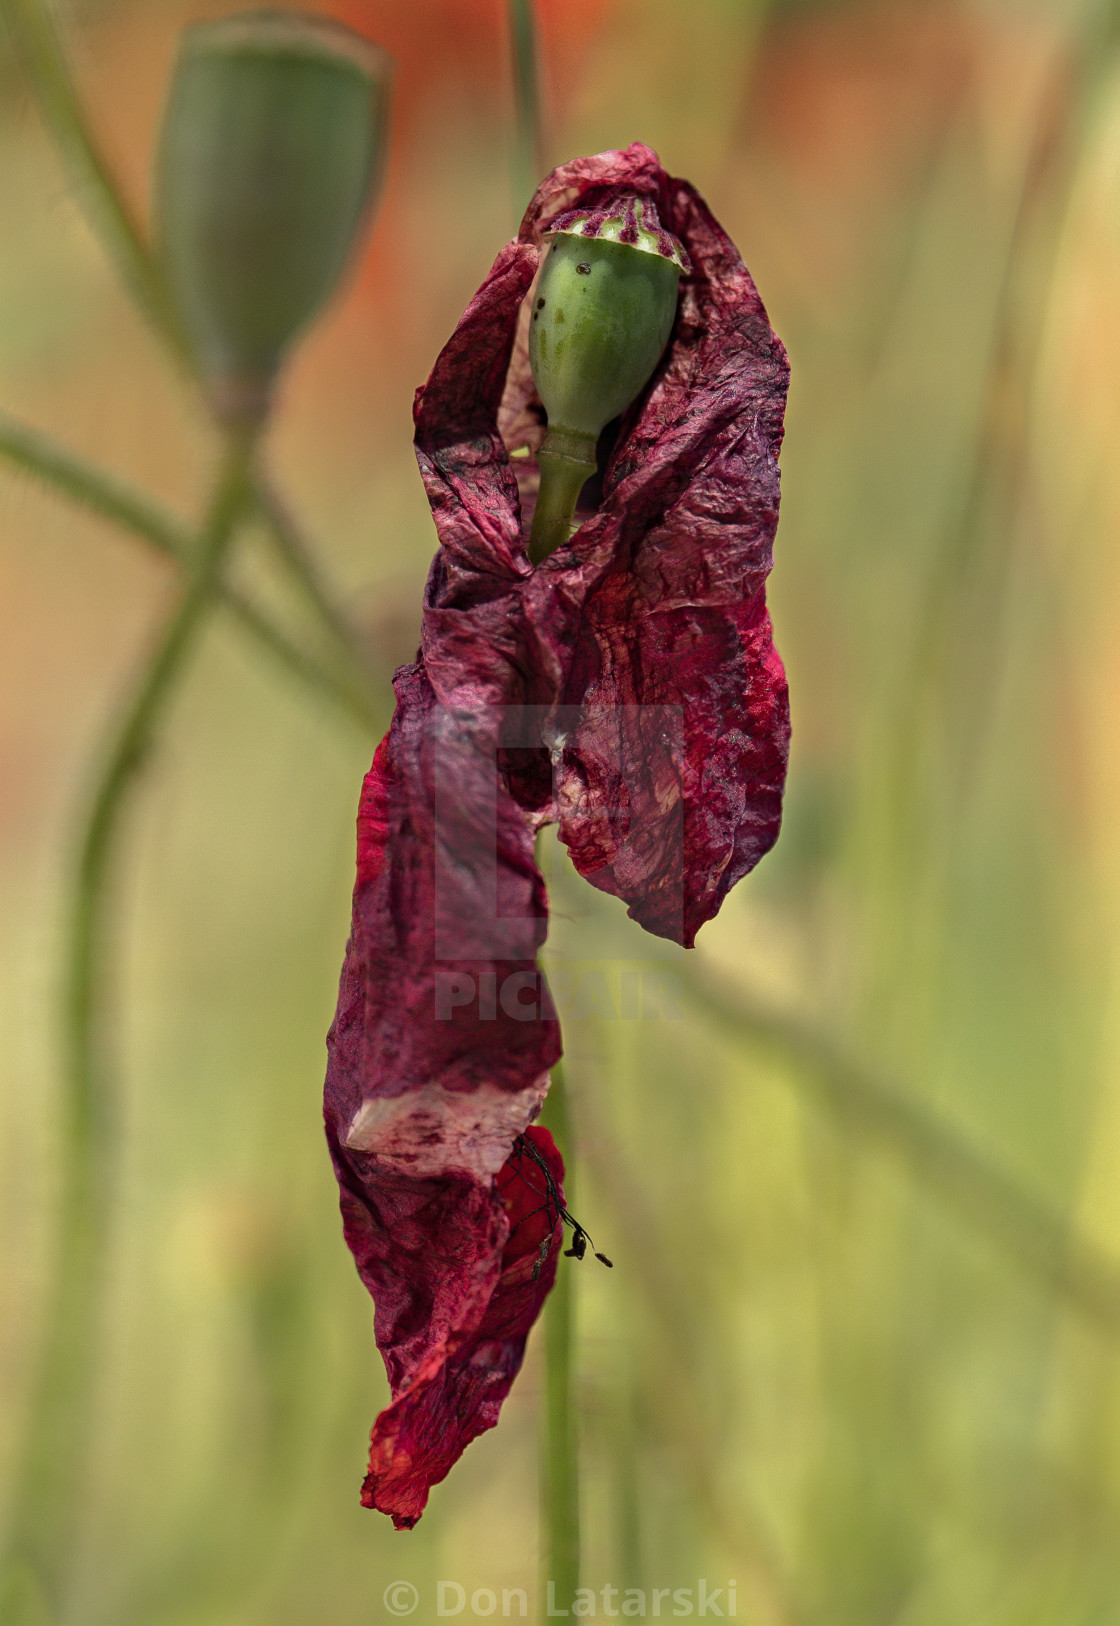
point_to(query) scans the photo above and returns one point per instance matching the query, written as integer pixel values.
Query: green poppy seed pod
(270, 156)
(603, 310)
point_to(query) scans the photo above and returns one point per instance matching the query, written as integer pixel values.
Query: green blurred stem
(529, 161)
(97, 190)
(48, 1501)
(71, 476)
(675, 1359)
(996, 489)
(35, 38)
(299, 560)
(994, 1200)
(560, 1435)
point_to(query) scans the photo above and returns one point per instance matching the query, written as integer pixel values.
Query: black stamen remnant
(552, 1207)
(583, 268)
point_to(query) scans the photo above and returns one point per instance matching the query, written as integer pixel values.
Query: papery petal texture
(627, 689)
(433, 1075)
(649, 630)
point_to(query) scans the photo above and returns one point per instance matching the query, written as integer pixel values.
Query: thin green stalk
(1041, 1241)
(529, 153)
(996, 488)
(83, 482)
(37, 42)
(562, 480)
(560, 1435)
(674, 1361)
(68, 122)
(45, 1518)
(298, 559)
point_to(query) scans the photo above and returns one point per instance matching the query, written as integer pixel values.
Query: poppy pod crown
(629, 220)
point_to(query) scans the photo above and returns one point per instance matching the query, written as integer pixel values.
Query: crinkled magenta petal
(504, 1247)
(434, 1071)
(643, 651)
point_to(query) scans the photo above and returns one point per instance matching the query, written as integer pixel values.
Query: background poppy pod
(270, 156)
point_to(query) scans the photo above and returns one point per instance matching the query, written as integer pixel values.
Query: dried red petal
(426, 1093)
(649, 628)
(438, 1411)
(628, 688)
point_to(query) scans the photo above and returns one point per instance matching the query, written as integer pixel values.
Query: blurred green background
(841, 1357)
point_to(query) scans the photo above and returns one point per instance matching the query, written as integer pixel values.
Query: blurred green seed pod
(603, 310)
(270, 158)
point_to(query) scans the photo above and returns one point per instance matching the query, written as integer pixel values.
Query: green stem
(72, 476)
(675, 1358)
(529, 159)
(298, 559)
(56, 466)
(560, 1442)
(997, 477)
(37, 42)
(562, 480)
(69, 124)
(1084, 1275)
(49, 1492)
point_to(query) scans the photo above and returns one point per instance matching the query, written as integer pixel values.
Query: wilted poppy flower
(627, 689)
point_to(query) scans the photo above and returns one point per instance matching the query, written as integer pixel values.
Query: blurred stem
(48, 1500)
(96, 187)
(71, 476)
(299, 561)
(560, 1442)
(1087, 1277)
(948, 659)
(529, 158)
(37, 42)
(675, 1361)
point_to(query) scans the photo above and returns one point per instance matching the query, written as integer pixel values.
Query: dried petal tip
(632, 221)
(460, 1275)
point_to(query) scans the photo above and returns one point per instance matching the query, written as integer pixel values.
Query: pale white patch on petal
(432, 1131)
